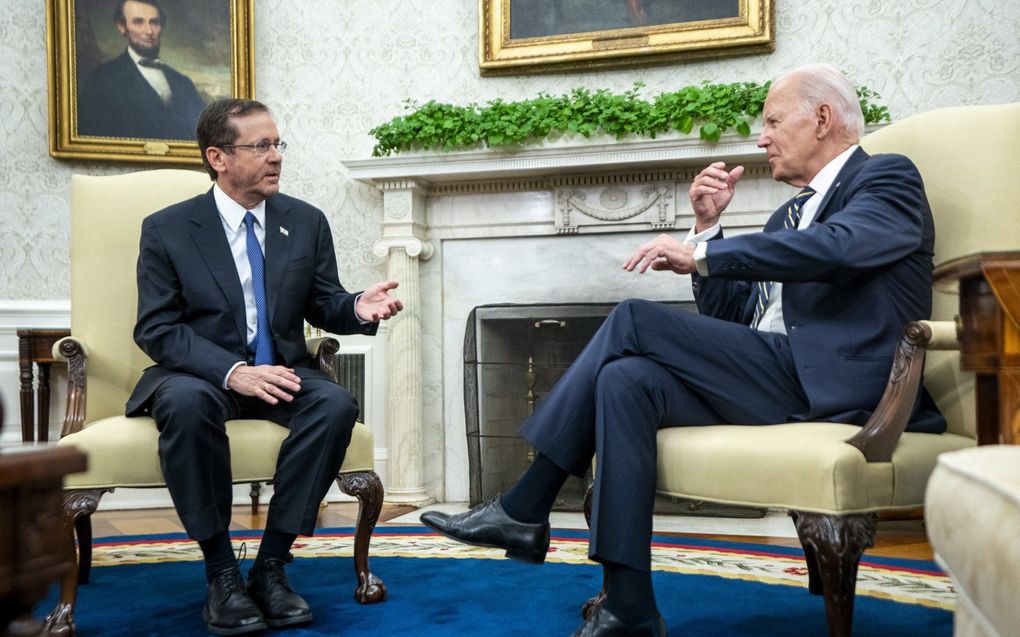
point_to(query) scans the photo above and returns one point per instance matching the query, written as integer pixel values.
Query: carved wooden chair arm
(324, 350)
(879, 436)
(74, 352)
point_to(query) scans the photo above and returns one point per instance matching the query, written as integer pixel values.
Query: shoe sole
(240, 630)
(289, 621)
(521, 555)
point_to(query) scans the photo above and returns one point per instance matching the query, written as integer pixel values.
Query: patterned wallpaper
(331, 70)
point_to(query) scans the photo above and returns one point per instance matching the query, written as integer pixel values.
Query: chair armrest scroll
(878, 438)
(74, 352)
(945, 335)
(324, 350)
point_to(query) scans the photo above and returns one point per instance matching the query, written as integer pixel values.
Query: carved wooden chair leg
(368, 489)
(256, 491)
(593, 602)
(83, 531)
(60, 622)
(833, 545)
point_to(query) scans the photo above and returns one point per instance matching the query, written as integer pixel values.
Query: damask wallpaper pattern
(333, 69)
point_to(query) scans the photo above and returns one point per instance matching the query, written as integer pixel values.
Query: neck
(245, 200)
(825, 155)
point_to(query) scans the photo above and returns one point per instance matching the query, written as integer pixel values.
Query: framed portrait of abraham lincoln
(543, 36)
(128, 79)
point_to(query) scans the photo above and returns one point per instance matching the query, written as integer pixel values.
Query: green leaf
(715, 108)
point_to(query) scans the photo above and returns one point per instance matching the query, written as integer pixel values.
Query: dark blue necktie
(791, 220)
(264, 351)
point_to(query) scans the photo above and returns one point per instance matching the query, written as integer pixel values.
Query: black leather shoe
(228, 610)
(488, 525)
(602, 623)
(269, 588)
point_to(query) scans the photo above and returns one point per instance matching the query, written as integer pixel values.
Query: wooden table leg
(43, 397)
(27, 409)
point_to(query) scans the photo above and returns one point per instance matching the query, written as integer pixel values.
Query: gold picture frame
(93, 115)
(542, 36)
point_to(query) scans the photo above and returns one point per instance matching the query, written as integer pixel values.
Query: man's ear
(823, 119)
(215, 158)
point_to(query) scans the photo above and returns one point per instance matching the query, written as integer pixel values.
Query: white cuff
(700, 242)
(231, 371)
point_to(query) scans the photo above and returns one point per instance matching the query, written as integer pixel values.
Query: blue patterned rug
(152, 586)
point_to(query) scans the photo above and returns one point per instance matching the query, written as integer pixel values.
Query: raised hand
(376, 304)
(711, 191)
(662, 253)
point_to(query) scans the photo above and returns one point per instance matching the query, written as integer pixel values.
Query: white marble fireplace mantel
(544, 224)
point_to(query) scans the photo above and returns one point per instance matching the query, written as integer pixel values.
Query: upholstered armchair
(106, 216)
(832, 478)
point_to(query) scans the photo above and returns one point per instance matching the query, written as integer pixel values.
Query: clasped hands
(273, 383)
(710, 193)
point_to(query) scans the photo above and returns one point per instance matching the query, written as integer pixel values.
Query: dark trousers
(194, 454)
(650, 366)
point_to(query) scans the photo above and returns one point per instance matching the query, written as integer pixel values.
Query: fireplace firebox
(513, 355)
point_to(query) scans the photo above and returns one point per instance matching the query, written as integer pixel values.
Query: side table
(989, 332)
(35, 346)
(36, 542)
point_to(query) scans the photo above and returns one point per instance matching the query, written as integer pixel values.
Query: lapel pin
(284, 232)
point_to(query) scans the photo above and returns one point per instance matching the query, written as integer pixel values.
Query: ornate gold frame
(66, 143)
(752, 32)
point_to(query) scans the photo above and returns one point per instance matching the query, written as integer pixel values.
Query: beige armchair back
(106, 221)
(969, 158)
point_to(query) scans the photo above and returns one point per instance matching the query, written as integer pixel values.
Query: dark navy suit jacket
(115, 100)
(851, 281)
(191, 315)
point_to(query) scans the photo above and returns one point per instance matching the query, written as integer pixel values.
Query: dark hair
(215, 127)
(118, 11)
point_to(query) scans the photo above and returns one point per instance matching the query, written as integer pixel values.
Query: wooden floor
(903, 538)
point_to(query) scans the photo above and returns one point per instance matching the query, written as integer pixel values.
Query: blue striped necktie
(791, 220)
(264, 350)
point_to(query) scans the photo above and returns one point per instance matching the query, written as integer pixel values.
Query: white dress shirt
(772, 318)
(154, 76)
(232, 217)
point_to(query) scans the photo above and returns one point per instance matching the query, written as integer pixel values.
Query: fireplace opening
(513, 355)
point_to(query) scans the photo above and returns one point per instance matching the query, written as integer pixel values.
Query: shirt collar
(232, 213)
(823, 180)
(135, 57)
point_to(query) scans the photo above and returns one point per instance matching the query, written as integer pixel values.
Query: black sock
(274, 545)
(531, 499)
(629, 594)
(218, 554)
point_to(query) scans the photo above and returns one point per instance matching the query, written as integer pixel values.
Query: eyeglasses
(260, 148)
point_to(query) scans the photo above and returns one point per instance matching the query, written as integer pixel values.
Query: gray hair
(825, 84)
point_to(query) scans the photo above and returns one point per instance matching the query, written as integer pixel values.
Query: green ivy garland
(715, 108)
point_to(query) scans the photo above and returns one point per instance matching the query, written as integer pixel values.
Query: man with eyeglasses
(226, 281)
(136, 94)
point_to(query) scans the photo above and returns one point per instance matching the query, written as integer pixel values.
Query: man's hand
(271, 383)
(663, 253)
(376, 304)
(711, 192)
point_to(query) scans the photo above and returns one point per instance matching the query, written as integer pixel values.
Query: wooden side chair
(106, 217)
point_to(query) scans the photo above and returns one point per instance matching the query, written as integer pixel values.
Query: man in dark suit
(796, 323)
(225, 281)
(136, 94)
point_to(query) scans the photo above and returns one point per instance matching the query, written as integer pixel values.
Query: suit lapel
(851, 166)
(277, 249)
(207, 233)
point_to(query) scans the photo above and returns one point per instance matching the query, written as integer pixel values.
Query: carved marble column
(404, 244)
